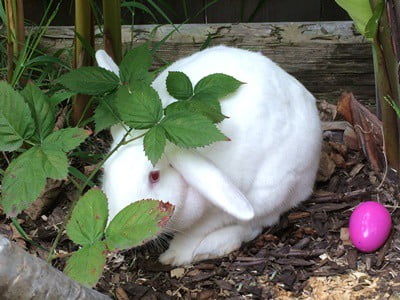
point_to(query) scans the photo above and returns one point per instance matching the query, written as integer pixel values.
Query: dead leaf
(345, 236)
(367, 126)
(120, 294)
(177, 273)
(326, 167)
(338, 160)
(327, 111)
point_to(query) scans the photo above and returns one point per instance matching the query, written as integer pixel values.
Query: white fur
(227, 192)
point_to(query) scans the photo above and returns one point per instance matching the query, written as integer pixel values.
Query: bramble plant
(130, 99)
(27, 120)
(87, 227)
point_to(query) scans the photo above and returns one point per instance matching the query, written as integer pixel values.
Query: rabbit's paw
(223, 241)
(215, 244)
(180, 251)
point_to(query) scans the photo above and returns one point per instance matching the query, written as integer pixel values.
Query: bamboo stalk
(15, 33)
(84, 29)
(112, 29)
(387, 82)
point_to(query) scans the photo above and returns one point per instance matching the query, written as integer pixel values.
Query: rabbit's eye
(154, 176)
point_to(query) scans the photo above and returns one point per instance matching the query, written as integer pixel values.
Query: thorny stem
(82, 188)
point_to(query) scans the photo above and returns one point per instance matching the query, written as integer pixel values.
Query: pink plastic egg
(369, 226)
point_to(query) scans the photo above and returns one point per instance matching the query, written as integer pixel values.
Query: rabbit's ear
(105, 61)
(208, 180)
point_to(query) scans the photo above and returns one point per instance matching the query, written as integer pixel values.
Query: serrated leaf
(216, 86)
(90, 81)
(42, 112)
(140, 108)
(86, 265)
(54, 162)
(179, 85)
(373, 23)
(23, 181)
(89, 218)
(136, 223)
(135, 64)
(154, 143)
(191, 130)
(66, 139)
(359, 10)
(208, 108)
(106, 113)
(16, 122)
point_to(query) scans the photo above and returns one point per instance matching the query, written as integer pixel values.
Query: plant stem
(25, 236)
(15, 33)
(387, 82)
(84, 28)
(83, 186)
(112, 29)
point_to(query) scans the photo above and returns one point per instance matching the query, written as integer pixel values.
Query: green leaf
(90, 81)
(154, 143)
(89, 218)
(54, 162)
(191, 130)
(106, 114)
(42, 112)
(86, 265)
(136, 223)
(66, 139)
(140, 108)
(23, 181)
(16, 122)
(373, 23)
(359, 10)
(60, 97)
(179, 85)
(135, 64)
(216, 86)
(208, 108)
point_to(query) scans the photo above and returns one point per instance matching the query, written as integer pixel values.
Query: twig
(339, 197)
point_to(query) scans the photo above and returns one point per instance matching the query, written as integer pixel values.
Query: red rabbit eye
(154, 176)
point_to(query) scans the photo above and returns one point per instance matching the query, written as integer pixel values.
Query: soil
(307, 255)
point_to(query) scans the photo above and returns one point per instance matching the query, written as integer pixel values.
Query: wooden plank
(326, 57)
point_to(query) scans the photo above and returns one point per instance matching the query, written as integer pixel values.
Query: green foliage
(130, 227)
(16, 122)
(179, 86)
(89, 218)
(136, 223)
(154, 143)
(191, 130)
(86, 265)
(134, 66)
(26, 175)
(216, 86)
(140, 107)
(90, 81)
(106, 113)
(42, 111)
(365, 20)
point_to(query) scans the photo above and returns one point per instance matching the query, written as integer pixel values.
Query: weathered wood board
(327, 57)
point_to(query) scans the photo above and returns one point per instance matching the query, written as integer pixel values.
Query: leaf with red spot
(89, 218)
(86, 265)
(137, 223)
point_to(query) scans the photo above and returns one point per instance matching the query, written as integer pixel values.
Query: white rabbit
(227, 192)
